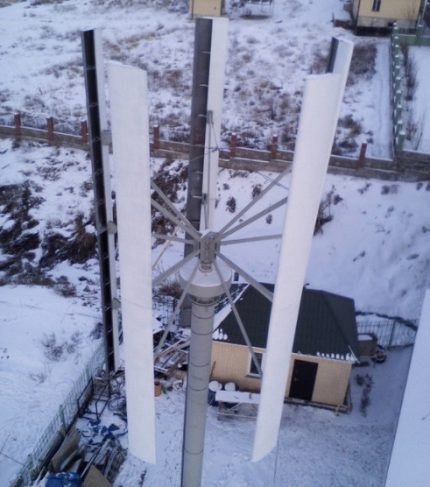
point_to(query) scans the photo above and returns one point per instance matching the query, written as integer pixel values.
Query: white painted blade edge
(409, 462)
(213, 131)
(130, 137)
(320, 111)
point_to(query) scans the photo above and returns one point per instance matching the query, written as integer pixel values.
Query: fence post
(274, 147)
(30, 463)
(156, 137)
(50, 125)
(62, 417)
(393, 329)
(17, 120)
(362, 157)
(84, 132)
(233, 145)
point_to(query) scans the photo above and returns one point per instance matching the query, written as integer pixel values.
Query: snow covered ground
(44, 347)
(267, 63)
(316, 447)
(374, 249)
(421, 102)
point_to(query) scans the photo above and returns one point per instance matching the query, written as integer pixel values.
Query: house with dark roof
(325, 345)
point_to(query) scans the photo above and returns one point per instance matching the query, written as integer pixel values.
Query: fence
(401, 38)
(417, 38)
(61, 422)
(397, 80)
(390, 332)
(274, 158)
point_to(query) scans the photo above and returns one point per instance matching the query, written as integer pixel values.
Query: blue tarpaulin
(64, 479)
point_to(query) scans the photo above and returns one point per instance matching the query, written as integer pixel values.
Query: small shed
(381, 14)
(325, 345)
(206, 8)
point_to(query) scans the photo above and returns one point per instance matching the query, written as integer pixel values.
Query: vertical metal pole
(199, 361)
(202, 49)
(102, 197)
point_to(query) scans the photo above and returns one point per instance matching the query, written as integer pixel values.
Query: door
(303, 380)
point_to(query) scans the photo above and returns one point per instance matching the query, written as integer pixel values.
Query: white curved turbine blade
(130, 137)
(409, 462)
(107, 189)
(213, 127)
(320, 111)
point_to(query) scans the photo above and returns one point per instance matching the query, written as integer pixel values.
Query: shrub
(231, 204)
(365, 397)
(52, 350)
(256, 190)
(363, 62)
(172, 288)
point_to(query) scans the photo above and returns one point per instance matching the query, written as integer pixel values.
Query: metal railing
(389, 332)
(60, 423)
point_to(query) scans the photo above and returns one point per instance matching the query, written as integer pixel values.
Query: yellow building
(380, 14)
(325, 346)
(206, 8)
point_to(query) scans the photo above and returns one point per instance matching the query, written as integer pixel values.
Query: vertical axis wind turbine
(205, 273)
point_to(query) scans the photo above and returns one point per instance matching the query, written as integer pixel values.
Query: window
(376, 7)
(252, 369)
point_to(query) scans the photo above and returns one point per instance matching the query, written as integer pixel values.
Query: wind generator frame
(205, 271)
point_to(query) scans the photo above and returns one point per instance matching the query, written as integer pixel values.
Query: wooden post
(84, 132)
(274, 147)
(50, 125)
(233, 145)
(362, 157)
(17, 120)
(156, 137)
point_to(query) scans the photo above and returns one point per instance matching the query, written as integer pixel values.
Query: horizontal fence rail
(406, 165)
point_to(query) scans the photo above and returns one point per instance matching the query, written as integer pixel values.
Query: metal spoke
(183, 219)
(164, 211)
(164, 248)
(270, 179)
(175, 267)
(255, 217)
(171, 238)
(205, 210)
(239, 321)
(176, 310)
(253, 202)
(250, 239)
(259, 287)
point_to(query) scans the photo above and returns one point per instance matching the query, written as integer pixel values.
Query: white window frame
(376, 6)
(251, 363)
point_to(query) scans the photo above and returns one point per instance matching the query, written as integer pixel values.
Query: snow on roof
(409, 463)
(326, 323)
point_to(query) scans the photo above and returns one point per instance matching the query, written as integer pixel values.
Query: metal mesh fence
(390, 332)
(64, 417)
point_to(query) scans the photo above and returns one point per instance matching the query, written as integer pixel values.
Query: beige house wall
(331, 381)
(405, 12)
(231, 363)
(210, 8)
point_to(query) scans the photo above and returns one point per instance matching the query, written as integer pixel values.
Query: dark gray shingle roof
(326, 325)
